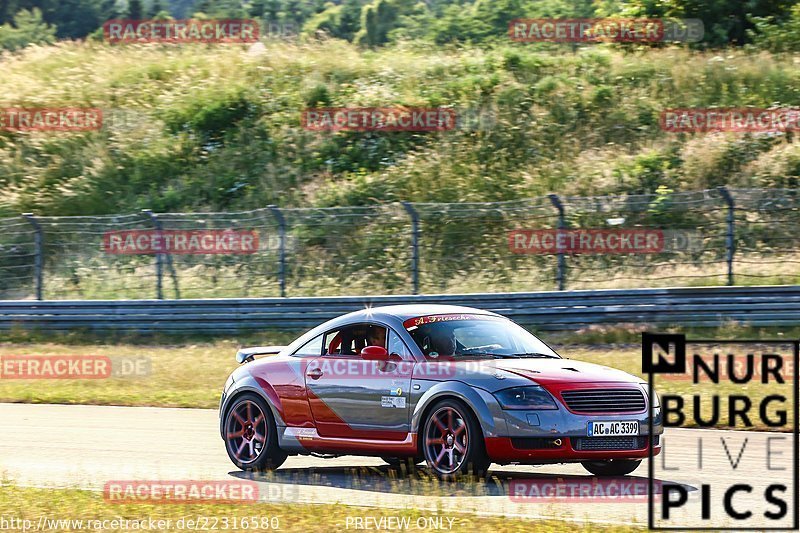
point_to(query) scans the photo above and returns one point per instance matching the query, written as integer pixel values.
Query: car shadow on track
(499, 482)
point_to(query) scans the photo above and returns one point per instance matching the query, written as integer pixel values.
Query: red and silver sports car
(456, 387)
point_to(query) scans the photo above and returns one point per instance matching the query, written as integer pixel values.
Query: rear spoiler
(245, 355)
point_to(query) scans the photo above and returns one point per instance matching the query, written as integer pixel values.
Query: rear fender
(247, 383)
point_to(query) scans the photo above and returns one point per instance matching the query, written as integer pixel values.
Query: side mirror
(374, 353)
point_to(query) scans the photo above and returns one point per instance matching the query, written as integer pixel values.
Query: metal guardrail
(557, 310)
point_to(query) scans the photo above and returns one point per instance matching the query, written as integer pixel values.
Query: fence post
(38, 253)
(159, 266)
(730, 244)
(562, 262)
(414, 245)
(281, 220)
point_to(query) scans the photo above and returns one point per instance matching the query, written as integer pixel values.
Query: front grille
(604, 400)
(535, 443)
(608, 443)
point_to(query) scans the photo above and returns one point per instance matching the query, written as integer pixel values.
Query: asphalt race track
(86, 446)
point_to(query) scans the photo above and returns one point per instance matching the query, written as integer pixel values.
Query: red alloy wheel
(446, 440)
(246, 431)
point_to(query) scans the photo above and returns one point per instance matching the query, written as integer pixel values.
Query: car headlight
(530, 397)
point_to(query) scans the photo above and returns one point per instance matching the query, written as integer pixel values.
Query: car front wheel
(452, 441)
(250, 435)
(612, 467)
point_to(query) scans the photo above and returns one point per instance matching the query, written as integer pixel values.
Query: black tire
(245, 449)
(474, 461)
(612, 467)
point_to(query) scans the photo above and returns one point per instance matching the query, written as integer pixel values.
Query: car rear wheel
(251, 439)
(452, 441)
(612, 467)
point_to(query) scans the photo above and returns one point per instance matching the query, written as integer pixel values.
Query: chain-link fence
(711, 237)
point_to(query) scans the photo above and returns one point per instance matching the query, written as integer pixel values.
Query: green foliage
(378, 19)
(329, 22)
(156, 9)
(337, 20)
(210, 128)
(374, 23)
(775, 36)
(28, 28)
(135, 10)
(725, 21)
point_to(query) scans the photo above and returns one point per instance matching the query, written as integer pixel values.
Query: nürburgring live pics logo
(734, 385)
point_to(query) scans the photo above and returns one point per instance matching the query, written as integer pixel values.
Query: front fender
(483, 404)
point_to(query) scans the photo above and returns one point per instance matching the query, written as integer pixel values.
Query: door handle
(315, 373)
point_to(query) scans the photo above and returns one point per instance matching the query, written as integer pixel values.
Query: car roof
(388, 314)
(407, 311)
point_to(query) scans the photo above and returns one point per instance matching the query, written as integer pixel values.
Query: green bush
(216, 127)
(28, 28)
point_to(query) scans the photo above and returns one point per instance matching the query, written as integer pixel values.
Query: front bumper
(562, 450)
(560, 435)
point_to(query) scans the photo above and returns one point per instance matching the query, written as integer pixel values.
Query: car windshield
(465, 335)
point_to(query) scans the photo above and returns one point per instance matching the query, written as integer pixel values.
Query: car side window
(397, 346)
(347, 341)
(312, 347)
(350, 340)
(333, 342)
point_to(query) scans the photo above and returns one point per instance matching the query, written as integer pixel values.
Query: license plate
(613, 429)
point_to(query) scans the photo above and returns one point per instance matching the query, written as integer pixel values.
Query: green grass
(218, 128)
(65, 504)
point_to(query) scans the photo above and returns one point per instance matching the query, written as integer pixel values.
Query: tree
(108, 9)
(203, 7)
(8, 9)
(778, 37)
(327, 21)
(75, 19)
(28, 28)
(155, 9)
(135, 10)
(272, 9)
(378, 19)
(725, 21)
(181, 8)
(258, 8)
(350, 20)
